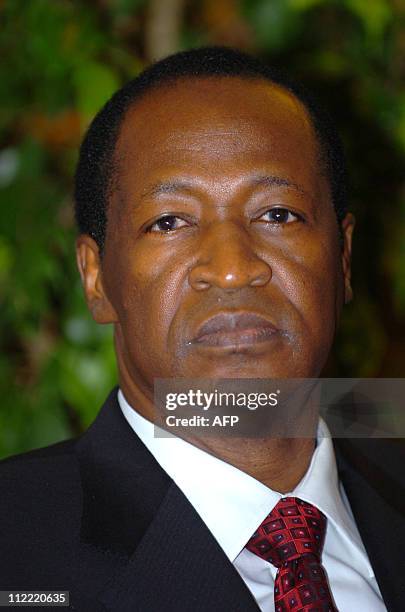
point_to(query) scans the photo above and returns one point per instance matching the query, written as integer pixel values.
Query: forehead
(215, 126)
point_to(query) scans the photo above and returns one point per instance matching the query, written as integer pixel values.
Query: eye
(166, 224)
(279, 216)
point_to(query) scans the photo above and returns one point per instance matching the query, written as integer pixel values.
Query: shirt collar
(320, 486)
(230, 502)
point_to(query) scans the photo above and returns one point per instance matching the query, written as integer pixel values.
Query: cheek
(309, 279)
(154, 286)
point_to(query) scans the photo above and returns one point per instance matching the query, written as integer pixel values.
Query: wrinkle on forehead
(206, 143)
(216, 139)
(227, 115)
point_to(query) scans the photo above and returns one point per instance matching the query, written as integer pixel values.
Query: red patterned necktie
(291, 538)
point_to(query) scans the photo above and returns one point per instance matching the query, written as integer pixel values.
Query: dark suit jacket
(98, 516)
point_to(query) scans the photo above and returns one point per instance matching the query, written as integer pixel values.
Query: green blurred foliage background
(62, 60)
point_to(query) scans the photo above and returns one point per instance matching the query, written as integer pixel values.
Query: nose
(227, 260)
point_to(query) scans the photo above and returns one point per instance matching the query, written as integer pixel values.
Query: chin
(240, 366)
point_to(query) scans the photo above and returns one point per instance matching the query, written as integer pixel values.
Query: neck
(264, 459)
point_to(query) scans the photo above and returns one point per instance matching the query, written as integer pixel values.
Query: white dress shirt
(233, 504)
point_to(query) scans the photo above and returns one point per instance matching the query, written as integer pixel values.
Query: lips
(233, 328)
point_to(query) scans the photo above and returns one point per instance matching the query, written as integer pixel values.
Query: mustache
(280, 312)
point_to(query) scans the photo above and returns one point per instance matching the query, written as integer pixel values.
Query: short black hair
(96, 167)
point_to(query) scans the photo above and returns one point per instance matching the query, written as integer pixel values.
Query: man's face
(221, 208)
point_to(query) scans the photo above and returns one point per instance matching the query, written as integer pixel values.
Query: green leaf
(375, 15)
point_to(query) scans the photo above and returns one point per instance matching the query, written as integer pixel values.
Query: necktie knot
(291, 538)
(292, 529)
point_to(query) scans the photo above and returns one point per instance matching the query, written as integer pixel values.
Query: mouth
(235, 329)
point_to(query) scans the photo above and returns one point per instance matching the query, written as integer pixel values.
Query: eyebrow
(275, 181)
(170, 186)
(184, 185)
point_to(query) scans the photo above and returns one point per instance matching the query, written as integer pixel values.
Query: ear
(89, 264)
(347, 229)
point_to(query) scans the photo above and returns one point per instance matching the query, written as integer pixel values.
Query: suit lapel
(367, 469)
(178, 566)
(133, 509)
(122, 483)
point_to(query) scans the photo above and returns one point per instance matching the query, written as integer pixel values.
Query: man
(214, 236)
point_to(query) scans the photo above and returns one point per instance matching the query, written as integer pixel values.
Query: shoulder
(59, 448)
(374, 464)
(39, 468)
(39, 486)
(368, 455)
(38, 463)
